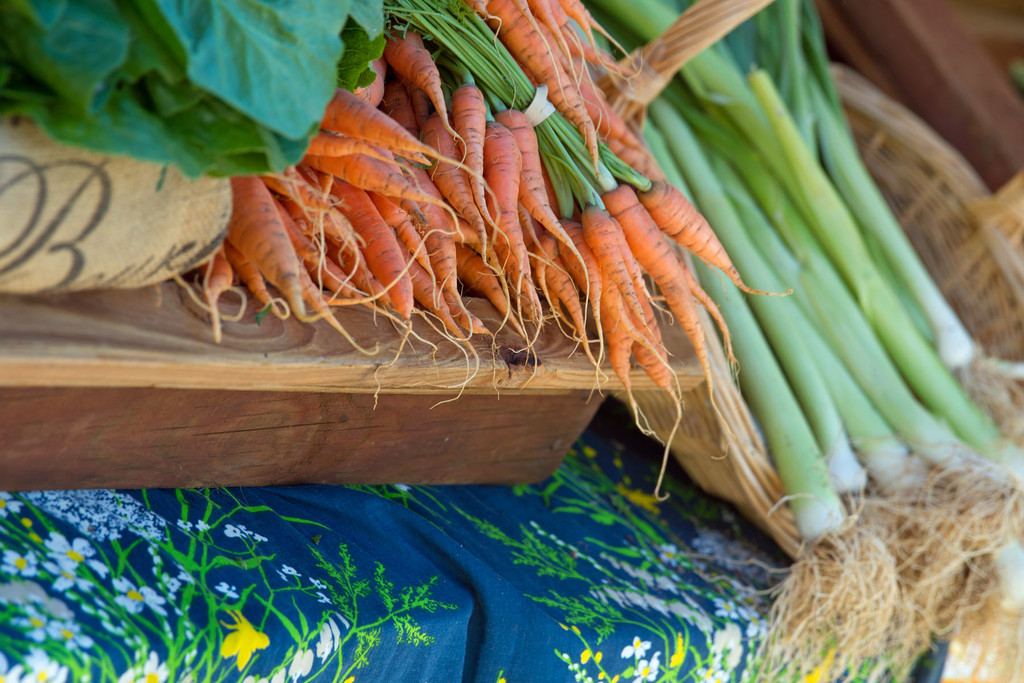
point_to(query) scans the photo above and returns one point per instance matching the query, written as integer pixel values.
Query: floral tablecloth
(583, 577)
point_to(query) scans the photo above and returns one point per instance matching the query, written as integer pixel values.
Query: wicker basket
(969, 241)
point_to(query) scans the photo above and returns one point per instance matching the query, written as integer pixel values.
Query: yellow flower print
(677, 658)
(816, 673)
(585, 656)
(243, 640)
(638, 498)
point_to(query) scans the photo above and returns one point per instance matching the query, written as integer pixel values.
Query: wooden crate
(128, 389)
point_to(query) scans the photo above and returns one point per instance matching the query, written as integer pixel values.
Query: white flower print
(20, 564)
(757, 627)
(34, 621)
(301, 665)
(317, 583)
(330, 638)
(647, 670)
(42, 669)
(404, 488)
(232, 531)
(201, 525)
(9, 504)
(712, 675)
(726, 609)
(134, 598)
(229, 591)
(70, 634)
(728, 643)
(323, 599)
(68, 554)
(638, 648)
(286, 572)
(152, 671)
(9, 675)
(184, 525)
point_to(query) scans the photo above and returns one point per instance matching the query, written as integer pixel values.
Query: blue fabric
(583, 577)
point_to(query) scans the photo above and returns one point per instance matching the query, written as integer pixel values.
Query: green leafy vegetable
(360, 49)
(226, 87)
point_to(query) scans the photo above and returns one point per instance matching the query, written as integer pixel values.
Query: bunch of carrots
(432, 183)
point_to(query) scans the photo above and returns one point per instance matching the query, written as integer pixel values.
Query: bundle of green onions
(852, 378)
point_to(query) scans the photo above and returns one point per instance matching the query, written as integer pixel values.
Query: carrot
(373, 93)
(542, 10)
(449, 179)
(603, 235)
(579, 13)
(527, 44)
(297, 190)
(349, 115)
(250, 277)
(561, 284)
(679, 219)
(439, 235)
(637, 156)
(712, 308)
(469, 116)
(468, 236)
(616, 339)
(377, 176)
(398, 105)
(411, 60)
(502, 170)
(478, 277)
(463, 316)
(327, 144)
(427, 296)
(406, 233)
(421, 107)
(217, 279)
(383, 254)
(653, 252)
(532, 191)
(327, 273)
(334, 225)
(256, 230)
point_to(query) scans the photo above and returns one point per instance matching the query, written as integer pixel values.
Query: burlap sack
(71, 219)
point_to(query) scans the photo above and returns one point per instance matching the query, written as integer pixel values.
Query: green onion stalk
(842, 593)
(858, 320)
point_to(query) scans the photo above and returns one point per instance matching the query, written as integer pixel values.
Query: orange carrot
(421, 107)
(327, 144)
(469, 116)
(439, 233)
(349, 115)
(384, 256)
(249, 275)
(406, 233)
(616, 339)
(397, 105)
(256, 230)
(373, 93)
(449, 179)
(377, 176)
(653, 252)
(411, 60)
(326, 272)
(679, 219)
(428, 296)
(527, 45)
(532, 192)
(502, 170)
(217, 278)
(542, 10)
(478, 277)
(603, 235)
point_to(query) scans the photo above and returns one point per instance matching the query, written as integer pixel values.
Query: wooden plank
(943, 73)
(56, 438)
(159, 337)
